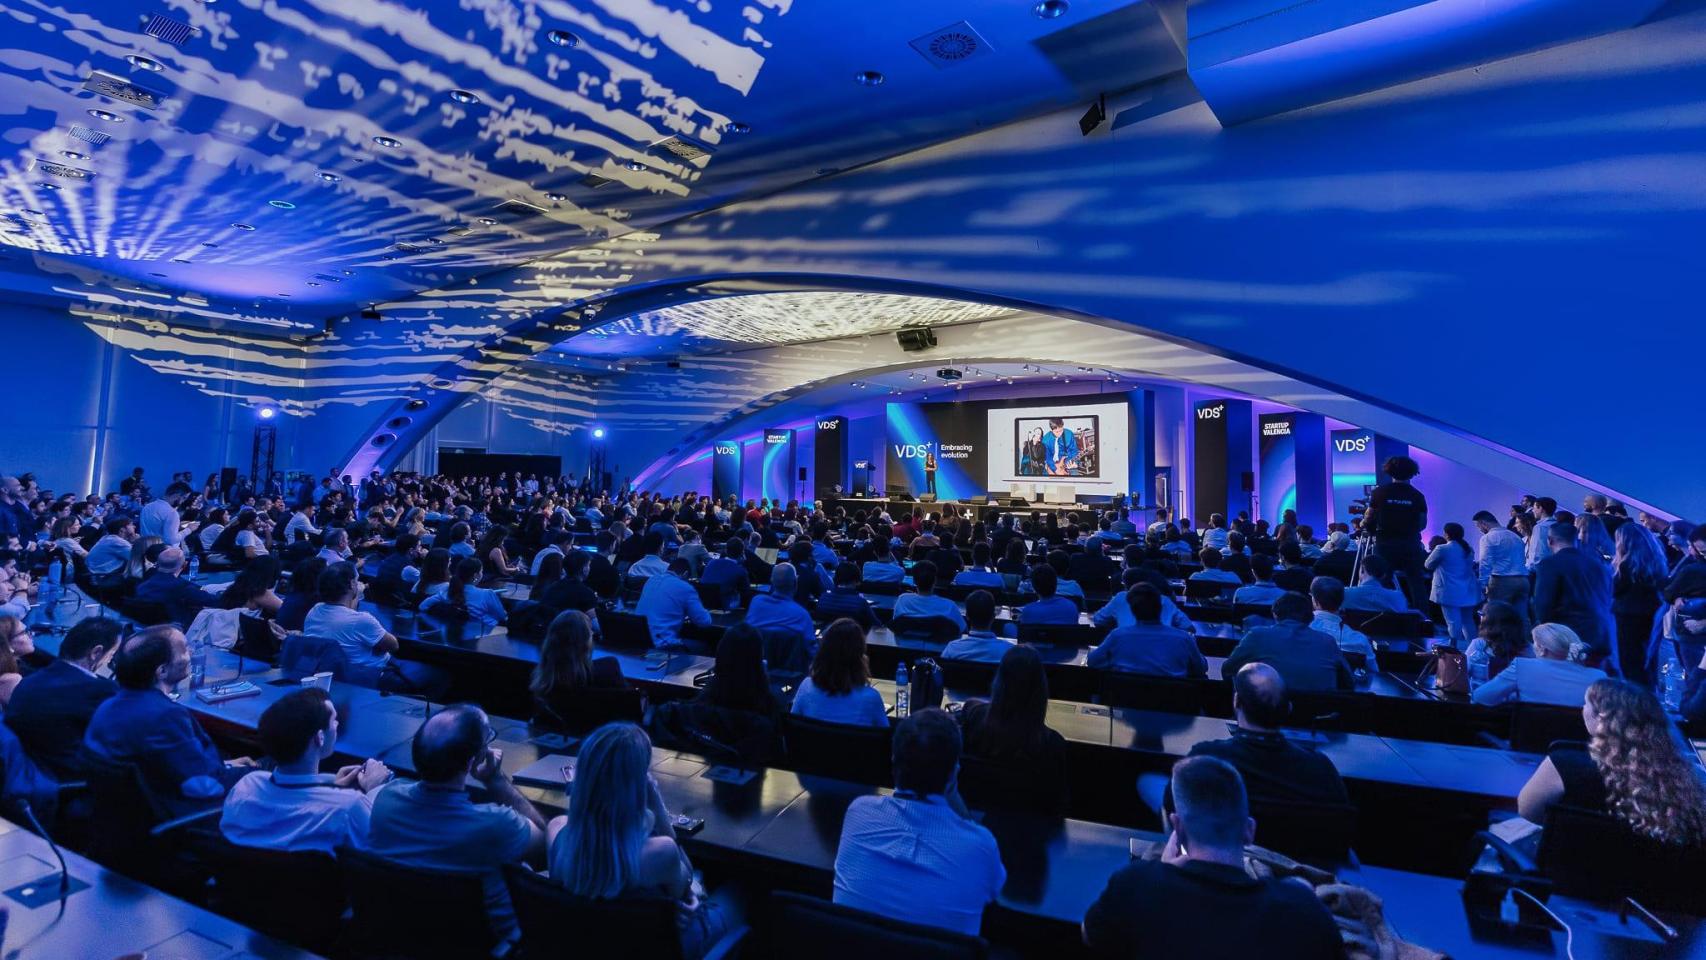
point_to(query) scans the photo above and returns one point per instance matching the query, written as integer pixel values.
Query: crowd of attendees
(1595, 610)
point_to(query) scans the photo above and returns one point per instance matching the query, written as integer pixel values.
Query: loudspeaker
(916, 339)
(802, 474)
(1247, 482)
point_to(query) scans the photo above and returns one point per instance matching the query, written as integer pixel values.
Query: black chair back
(303, 655)
(122, 811)
(882, 588)
(785, 652)
(1161, 694)
(584, 711)
(399, 911)
(939, 629)
(1597, 857)
(623, 631)
(968, 676)
(843, 933)
(146, 613)
(1319, 834)
(713, 597)
(1534, 726)
(632, 587)
(839, 750)
(1323, 710)
(557, 925)
(255, 639)
(989, 784)
(1073, 635)
(294, 896)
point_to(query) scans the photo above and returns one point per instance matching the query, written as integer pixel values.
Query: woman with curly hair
(1630, 768)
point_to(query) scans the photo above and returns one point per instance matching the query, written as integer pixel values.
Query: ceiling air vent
(951, 45)
(594, 181)
(683, 147)
(512, 211)
(118, 88)
(89, 136)
(169, 29)
(61, 171)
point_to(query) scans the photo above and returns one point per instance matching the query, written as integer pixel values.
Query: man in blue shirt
(728, 573)
(980, 642)
(668, 602)
(916, 856)
(1117, 613)
(181, 599)
(1305, 658)
(1047, 608)
(1060, 449)
(981, 573)
(779, 611)
(1148, 647)
(846, 600)
(1263, 591)
(882, 569)
(925, 603)
(142, 725)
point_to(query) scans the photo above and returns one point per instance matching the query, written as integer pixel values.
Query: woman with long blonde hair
(1630, 768)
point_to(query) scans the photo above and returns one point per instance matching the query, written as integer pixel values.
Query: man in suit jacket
(181, 598)
(50, 709)
(1305, 658)
(1574, 589)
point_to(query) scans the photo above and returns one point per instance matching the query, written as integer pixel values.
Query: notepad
(227, 691)
(552, 771)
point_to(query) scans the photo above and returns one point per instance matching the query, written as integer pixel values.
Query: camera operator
(1397, 512)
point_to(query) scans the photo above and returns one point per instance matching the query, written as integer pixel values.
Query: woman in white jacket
(1455, 588)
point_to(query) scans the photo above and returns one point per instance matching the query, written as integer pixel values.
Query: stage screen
(980, 447)
(1277, 467)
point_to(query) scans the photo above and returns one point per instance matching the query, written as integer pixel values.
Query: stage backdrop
(829, 452)
(725, 469)
(777, 478)
(1353, 468)
(1277, 470)
(987, 446)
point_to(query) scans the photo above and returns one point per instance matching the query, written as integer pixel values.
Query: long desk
(114, 916)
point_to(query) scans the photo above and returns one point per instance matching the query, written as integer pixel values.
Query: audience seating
(557, 925)
(843, 933)
(303, 656)
(128, 824)
(1319, 834)
(1060, 634)
(146, 613)
(295, 896)
(859, 754)
(1535, 726)
(1141, 692)
(939, 629)
(882, 588)
(400, 911)
(623, 631)
(987, 784)
(786, 654)
(1207, 590)
(1593, 856)
(592, 708)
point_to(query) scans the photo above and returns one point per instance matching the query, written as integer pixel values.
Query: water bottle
(1672, 682)
(902, 691)
(195, 567)
(198, 665)
(1478, 664)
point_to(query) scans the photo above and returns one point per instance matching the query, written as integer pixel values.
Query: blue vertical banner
(1141, 430)
(725, 469)
(1310, 429)
(776, 479)
(1276, 469)
(1353, 468)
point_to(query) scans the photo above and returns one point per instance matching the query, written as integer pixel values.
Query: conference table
(108, 915)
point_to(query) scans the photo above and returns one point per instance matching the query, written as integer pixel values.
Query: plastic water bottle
(1478, 665)
(1672, 682)
(198, 665)
(902, 691)
(195, 567)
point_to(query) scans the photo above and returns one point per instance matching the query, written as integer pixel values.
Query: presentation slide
(1062, 443)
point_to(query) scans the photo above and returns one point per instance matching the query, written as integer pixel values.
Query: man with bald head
(166, 586)
(434, 824)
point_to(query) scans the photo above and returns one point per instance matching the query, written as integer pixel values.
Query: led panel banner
(725, 469)
(1353, 468)
(1208, 463)
(829, 456)
(776, 481)
(1276, 469)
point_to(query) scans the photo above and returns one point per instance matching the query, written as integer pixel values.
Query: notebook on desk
(552, 771)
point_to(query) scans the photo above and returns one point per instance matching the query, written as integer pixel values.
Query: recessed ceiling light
(488, 221)
(563, 38)
(636, 166)
(106, 115)
(242, 226)
(282, 204)
(869, 78)
(143, 63)
(330, 177)
(349, 273)
(312, 284)
(435, 241)
(1049, 9)
(73, 155)
(48, 186)
(387, 142)
(735, 126)
(463, 96)
(558, 197)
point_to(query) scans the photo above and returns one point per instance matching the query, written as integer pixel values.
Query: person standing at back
(1397, 514)
(1637, 576)
(1502, 564)
(1454, 588)
(1198, 900)
(1574, 589)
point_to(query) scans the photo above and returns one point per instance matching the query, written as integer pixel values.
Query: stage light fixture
(465, 97)
(598, 433)
(1050, 9)
(636, 166)
(267, 413)
(144, 63)
(737, 127)
(563, 38)
(389, 143)
(106, 115)
(73, 155)
(330, 177)
(869, 78)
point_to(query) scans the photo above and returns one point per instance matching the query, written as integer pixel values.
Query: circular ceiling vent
(398, 423)
(384, 439)
(953, 45)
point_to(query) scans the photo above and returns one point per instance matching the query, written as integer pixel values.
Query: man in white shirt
(1215, 536)
(303, 520)
(336, 549)
(1502, 560)
(555, 545)
(1264, 591)
(295, 807)
(160, 517)
(1538, 548)
(112, 552)
(364, 640)
(1328, 595)
(652, 564)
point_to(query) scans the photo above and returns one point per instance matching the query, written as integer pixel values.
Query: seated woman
(492, 551)
(253, 589)
(1555, 674)
(14, 639)
(1500, 637)
(616, 842)
(435, 571)
(240, 541)
(1630, 768)
(567, 671)
(304, 593)
(461, 593)
(839, 690)
(1008, 729)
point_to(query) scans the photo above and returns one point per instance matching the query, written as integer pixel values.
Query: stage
(896, 504)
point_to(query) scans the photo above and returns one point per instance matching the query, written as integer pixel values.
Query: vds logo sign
(1351, 444)
(1211, 413)
(726, 449)
(910, 451)
(829, 424)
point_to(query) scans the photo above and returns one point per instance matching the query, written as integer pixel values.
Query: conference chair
(144, 612)
(130, 826)
(843, 933)
(1161, 694)
(938, 629)
(297, 896)
(988, 784)
(1534, 726)
(1324, 710)
(968, 676)
(838, 750)
(591, 708)
(882, 588)
(1597, 857)
(1059, 634)
(632, 587)
(1208, 591)
(623, 631)
(255, 640)
(1318, 834)
(401, 911)
(558, 925)
(303, 656)
(786, 653)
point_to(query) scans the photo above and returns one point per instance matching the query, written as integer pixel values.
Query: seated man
(728, 572)
(401, 568)
(365, 642)
(1328, 595)
(296, 807)
(652, 564)
(571, 591)
(110, 553)
(556, 541)
(883, 568)
(1047, 608)
(980, 573)
(434, 824)
(1117, 613)
(1292, 575)
(980, 642)
(50, 709)
(668, 602)
(1212, 560)
(1147, 646)
(181, 599)
(1198, 900)
(143, 725)
(336, 546)
(1376, 591)
(1307, 658)
(916, 856)
(925, 603)
(1263, 591)
(779, 611)
(845, 600)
